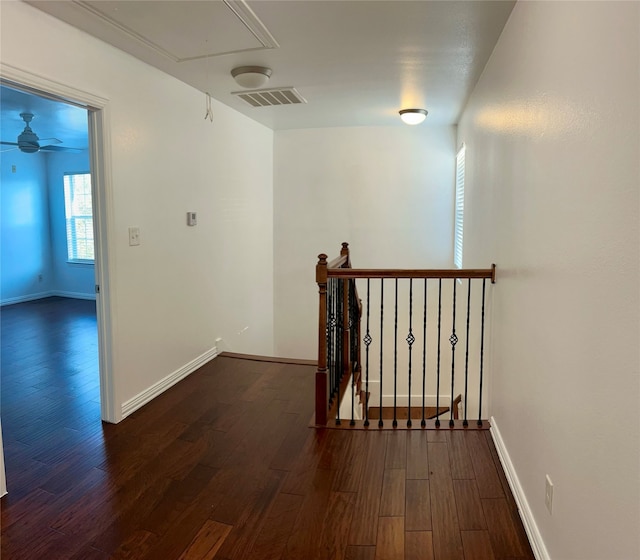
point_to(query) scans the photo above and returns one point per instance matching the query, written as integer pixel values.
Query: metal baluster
(395, 359)
(424, 353)
(367, 342)
(334, 343)
(380, 422)
(466, 357)
(410, 341)
(331, 341)
(352, 322)
(453, 339)
(438, 367)
(330, 328)
(484, 281)
(340, 349)
(336, 340)
(355, 344)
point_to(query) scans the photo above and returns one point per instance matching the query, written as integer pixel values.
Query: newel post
(345, 252)
(322, 396)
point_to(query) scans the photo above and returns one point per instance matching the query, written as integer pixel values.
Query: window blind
(79, 216)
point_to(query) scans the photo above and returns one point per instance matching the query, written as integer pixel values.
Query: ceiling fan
(29, 143)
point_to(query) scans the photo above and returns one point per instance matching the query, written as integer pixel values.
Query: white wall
(24, 228)
(182, 287)
(388, 191)
(552, 134)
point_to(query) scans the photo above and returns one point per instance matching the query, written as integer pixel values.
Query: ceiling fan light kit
(29, 143)
(413, 116)
(251, 77)
(28, 140)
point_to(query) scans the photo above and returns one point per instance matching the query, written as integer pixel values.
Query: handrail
(489, 273)
(338, 262)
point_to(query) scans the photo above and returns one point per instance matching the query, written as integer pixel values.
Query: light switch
(192, 219)
(134, 236)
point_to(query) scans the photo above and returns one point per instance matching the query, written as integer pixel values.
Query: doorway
(96, 162)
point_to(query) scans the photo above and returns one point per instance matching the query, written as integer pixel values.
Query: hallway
(224, 465)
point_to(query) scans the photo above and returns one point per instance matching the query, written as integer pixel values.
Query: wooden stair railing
(340, 340)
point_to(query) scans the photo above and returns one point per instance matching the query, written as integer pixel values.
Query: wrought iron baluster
(330, 336)
(338, 341)
(453, 339)
(424, 353)
(351, 352)
(380, 422)
(410, 341)
(330, 327)
(335, 339)
(367, 342)
(465, 423)
(353, 341)
(339, 345)
(395, 358)
(439, 344)
(484, 281)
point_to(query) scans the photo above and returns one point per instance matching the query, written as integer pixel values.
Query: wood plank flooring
(224, 466)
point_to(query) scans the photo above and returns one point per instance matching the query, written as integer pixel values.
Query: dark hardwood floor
(224, 465)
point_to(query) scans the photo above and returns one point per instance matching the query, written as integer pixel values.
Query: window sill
(79, 262)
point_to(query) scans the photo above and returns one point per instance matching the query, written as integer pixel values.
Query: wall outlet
(548, 494)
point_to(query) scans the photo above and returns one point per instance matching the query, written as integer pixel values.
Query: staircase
(409, 343)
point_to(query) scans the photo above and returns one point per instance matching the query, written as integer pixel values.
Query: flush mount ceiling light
(413, 116)
(251, 77)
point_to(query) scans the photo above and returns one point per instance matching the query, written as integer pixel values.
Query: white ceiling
(355, 62)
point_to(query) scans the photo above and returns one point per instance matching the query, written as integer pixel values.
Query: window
(458, 229)
(79, 216)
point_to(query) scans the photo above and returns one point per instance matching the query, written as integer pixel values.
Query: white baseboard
(74, 295)
(529, 522)
(161, 386)
(42, 295)
(24, 299)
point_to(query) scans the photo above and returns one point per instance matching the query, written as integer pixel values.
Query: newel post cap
(321, 269)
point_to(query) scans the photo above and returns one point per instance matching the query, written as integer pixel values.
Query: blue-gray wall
(33, 253)
(71, 279)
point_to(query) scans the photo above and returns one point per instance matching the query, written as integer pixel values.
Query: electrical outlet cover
(548, 494)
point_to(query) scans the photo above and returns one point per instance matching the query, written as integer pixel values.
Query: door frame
(102, 196)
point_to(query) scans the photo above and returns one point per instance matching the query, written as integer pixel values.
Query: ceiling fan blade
(8, 149)
(49, 141)
(59, 149)
(9, 143)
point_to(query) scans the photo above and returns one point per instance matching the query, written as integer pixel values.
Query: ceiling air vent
(270, 97)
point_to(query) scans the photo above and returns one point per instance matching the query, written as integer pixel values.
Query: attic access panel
(179, 30)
